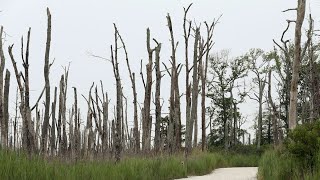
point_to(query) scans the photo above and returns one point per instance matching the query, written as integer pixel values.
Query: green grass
(18, 166)
(276, 165)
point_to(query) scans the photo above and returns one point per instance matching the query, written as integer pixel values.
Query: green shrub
(304, 143)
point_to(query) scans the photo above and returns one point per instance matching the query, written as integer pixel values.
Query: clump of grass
(19, 166)
(278, 165)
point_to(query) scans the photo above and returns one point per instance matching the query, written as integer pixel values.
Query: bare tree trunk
(157, 99)
(194, 103)
(187, 30)
(146, 137)
(5, 128)
(173, 116)
(53, 123)
(60, 115)
(296, 65)
(26, 109)
(260, 119)
(2, 65)
(135, 107)
(203, 103)
(203, 75)
(47, 87)
(114, 59)
(275, 113)
(105, 126)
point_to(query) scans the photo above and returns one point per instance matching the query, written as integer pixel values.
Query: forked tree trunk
(194, 103)
(146, 137)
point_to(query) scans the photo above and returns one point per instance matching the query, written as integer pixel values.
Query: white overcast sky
(82, 26)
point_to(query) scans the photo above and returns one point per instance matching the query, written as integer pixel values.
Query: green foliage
(19, 166)
(275, 165)
(299, 159)
(304, 143)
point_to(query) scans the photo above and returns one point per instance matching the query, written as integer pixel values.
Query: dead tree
(115, 64)
(77, 143)
(194, 102)
(105, 106)
(59, 132)
(296, 64)
(53, 123)
(201, 47)
(187, 33)
(173, 125)
(2, 66)
(135, 106)
(157, 98)
(146, 119)
(47, 87)
(28, 131)
(203, 76)
(5, 125)
(88, 133)
(275, 113)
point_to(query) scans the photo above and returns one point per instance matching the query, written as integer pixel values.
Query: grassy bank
(14, 166)
(277, 165)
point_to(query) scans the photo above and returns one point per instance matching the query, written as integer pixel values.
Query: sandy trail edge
(239, 173)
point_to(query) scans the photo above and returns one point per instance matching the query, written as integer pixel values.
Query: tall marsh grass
(19, 166)
(276, 165)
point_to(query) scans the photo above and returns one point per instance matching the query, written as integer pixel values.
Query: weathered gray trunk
(117, 135)
(274, 114)
(194, 103)
(105, 126)
(296, 65)
(2, 65)
(60, 115)
(5, 125)
(146, 137)
(53, 123)
(157, 99)
(47, 87)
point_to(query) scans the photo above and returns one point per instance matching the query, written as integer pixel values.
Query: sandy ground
(243, 173)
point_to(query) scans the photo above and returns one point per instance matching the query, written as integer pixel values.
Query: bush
(299, 159)
(304, 143)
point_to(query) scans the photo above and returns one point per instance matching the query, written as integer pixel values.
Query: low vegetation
(19, 166)
(299, 158)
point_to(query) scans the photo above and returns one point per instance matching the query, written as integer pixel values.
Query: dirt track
(242, 173)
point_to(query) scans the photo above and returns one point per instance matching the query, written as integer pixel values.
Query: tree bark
(117, 135)
(47, 87)
(187, 30)
(146, 137)
(194, 103)
(5, 125)
(2, 66)
(157, 99)
(53, 123)
(296, 65)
